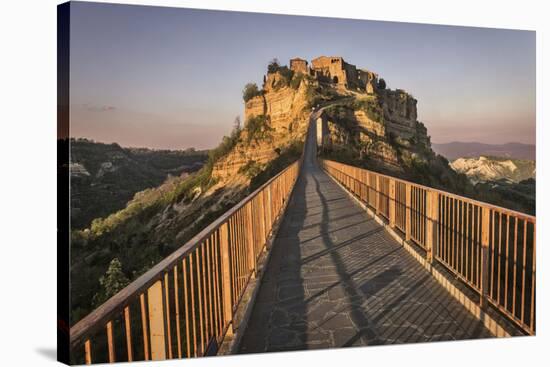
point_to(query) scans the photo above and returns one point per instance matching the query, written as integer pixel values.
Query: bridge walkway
(336, 278)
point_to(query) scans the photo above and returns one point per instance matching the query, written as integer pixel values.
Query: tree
(237, 124)
(273, 66)
(112, 282)
(250, 91)
(225, 146)
(381, 84)
(258, 128)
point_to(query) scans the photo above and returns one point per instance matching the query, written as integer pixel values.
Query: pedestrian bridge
(326, 255)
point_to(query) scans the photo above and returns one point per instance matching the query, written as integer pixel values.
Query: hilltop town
(399, 107)
(357, 112)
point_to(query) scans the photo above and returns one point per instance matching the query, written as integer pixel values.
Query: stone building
(333, 69)
(399, 107)
(367, 80)
(299, 65)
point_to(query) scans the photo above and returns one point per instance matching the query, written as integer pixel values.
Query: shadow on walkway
(336, 278)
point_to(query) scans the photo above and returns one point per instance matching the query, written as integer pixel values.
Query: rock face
(254, 107)
(285, 109)
(285, 105)
(106, 167)
(485, 169)
(399, 112)
(367, 123)
(358, 113)
(396, 110)
(78, 170)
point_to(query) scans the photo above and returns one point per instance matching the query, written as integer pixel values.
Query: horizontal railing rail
(184, 306)
(491, 249)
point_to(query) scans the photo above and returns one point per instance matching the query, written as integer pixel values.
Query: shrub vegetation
(258, 128)
(250, 91)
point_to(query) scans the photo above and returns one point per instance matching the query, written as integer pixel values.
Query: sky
(172, 78)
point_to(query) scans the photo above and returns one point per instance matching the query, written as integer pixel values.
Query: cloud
(98, 108)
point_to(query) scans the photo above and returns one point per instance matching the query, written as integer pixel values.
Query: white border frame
(28, 184)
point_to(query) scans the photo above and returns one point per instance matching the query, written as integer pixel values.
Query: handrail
(222, 257)
(490, 248)
(450, 194)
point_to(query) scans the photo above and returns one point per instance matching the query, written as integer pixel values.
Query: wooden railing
(185, 305)
(491, 249)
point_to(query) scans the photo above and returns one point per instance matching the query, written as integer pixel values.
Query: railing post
(432, 206)
(268, 211)
(226, 278)
(261, 198)
(251, 244)
(87, 352)
(378, 196)
(484, 271)
(357, 177)
(353, 182)
(408, 212)
(391, 204)
(156, 321)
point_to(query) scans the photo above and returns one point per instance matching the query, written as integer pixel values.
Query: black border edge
(63, 198)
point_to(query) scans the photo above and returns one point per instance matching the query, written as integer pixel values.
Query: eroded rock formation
(285, 111)
(358, 113)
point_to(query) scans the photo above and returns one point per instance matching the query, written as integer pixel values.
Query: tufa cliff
(359, 117)
(276, 118)
(364, 122)
(361, 121)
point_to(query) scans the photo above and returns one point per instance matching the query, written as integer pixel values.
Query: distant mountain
(486, 168)
(456, 150)
(104, 177)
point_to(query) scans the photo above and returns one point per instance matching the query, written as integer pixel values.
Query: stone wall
(331, 69)
(298, 65)
(336, 70)
(352, 79)
(367, 80)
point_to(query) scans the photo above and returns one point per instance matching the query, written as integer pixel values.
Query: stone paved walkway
(337, 279)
